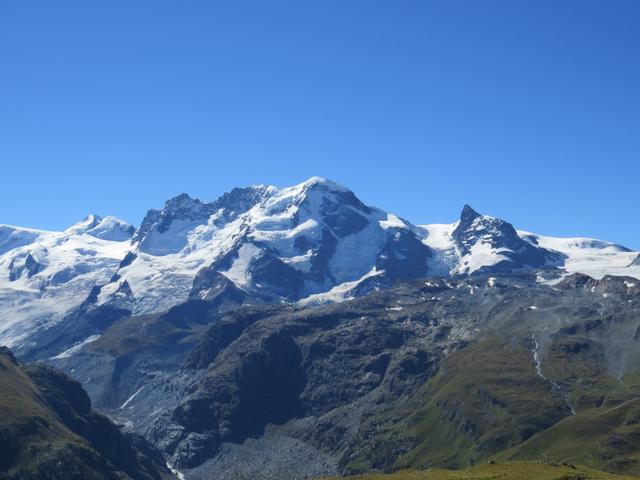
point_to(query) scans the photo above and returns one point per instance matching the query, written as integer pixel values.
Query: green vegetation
(31, 435)
(501, 471)
(485, 398)
(488, 402)
(606, 437)
(49, 432)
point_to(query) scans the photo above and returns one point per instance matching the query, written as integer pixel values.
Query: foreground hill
(49, 432)
(502, 471)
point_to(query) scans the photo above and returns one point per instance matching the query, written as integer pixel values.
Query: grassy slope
(502, 471)
(30, 433)
(487, 401)
(38, 409)
(606, 436)
(486, 398)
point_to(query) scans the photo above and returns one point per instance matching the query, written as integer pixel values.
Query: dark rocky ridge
(520, 253)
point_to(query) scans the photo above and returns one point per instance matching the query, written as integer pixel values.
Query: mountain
(286, 333)
(48, 430)
(312, 243)
(275, 244)
(45, 275)
(433, 372)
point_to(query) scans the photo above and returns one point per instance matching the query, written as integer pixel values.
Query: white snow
(356, 253)
(130, 399)
(70, 351)
(87, 254)
(437, 236)
(394, 309)
(70, 264)
(107, 228)
(392, 221)
(175, 472)
(595, 258)
(592, 257)
(481, 254)
(239, 271)
(163, 272)
(339, 292)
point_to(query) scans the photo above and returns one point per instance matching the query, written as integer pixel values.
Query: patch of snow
(130, 399)
(69, 265)
(70, 351)
(177, 473)
(351, 259)
(392, 221)
(481, 254)
(239, 271)
(438, 237)
(112, 228)
(589, 256)
(339, 292)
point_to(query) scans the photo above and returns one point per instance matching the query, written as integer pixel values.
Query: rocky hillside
(48, 431)
(436, 372)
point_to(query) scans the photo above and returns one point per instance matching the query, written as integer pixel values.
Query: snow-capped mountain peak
(14, 237)
(312, 242)
(107, 228)
(273, 242)
(479, 243)
(44, 274)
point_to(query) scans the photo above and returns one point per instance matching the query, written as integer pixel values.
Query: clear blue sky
(527, 110)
